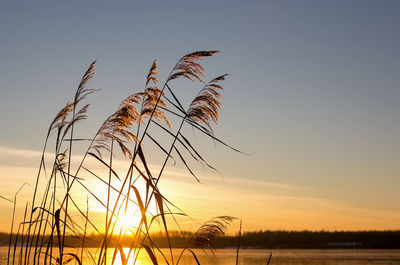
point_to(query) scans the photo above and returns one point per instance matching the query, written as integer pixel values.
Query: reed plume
(117, 127)
(207, 235)
(188, 66)
(204, 107)
(153, 98)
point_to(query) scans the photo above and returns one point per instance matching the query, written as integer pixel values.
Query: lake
(279, 257)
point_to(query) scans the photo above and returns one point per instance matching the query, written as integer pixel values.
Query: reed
(126, 133)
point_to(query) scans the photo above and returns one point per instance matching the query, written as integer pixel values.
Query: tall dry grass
(54, 213)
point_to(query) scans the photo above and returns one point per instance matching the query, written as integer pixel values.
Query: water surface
(260, 257)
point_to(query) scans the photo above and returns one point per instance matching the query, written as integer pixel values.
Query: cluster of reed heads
(41, 235)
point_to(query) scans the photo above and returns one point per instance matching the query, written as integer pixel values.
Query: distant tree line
(266, 239)
(317, 239)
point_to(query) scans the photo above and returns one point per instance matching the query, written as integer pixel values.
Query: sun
(127, 220)
(128, 216)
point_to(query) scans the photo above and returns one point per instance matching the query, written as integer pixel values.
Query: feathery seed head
(206, 104)
(189, 68)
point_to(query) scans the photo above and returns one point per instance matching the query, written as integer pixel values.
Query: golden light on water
(130, 259)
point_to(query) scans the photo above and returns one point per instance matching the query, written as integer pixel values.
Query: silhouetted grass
(49, 227)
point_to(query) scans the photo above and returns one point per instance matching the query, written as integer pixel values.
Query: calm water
(279, 256)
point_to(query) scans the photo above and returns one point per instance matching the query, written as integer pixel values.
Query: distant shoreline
(268, 240)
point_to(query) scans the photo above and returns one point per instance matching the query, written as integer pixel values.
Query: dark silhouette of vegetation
(262, 239)
(55, 219)
(316, 239)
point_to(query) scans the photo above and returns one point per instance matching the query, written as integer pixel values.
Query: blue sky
(313, 88)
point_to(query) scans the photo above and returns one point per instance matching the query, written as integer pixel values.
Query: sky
(312, 97)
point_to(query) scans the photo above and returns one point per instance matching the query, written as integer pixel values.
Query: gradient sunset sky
(313, 94)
